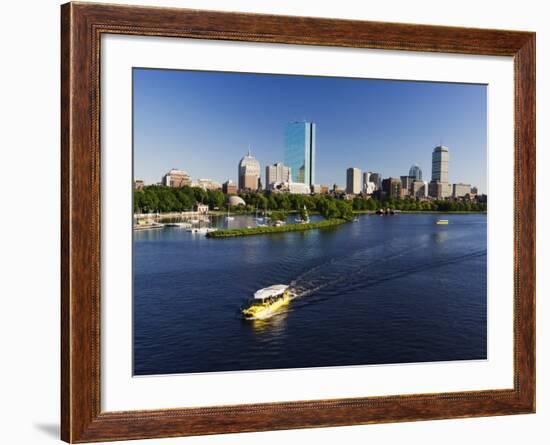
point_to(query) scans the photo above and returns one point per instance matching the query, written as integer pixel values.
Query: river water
(384, 289)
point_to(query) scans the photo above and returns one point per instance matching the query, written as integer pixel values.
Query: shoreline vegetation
(300, 227)
(160, 199)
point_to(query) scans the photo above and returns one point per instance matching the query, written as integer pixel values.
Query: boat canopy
(271, 291)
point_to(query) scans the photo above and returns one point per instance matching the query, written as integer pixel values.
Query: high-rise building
(353, 181)
(415, 172)
(176, 178)
(300, 151)
(392, 187)
(440, 164)
(229, 187)
(376, 178)
(406, 183)
(276, 173)
(439, 187)
(249, 173)
(369, 186)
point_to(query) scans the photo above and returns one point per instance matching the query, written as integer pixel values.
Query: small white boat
(202, 230)
(183, 225)
(229, 217)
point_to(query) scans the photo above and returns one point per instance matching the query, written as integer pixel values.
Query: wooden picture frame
(82, 25)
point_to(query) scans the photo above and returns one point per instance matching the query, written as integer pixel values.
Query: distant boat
(301, 220)
(202, 229)
(442, 221)
(184, 225)
(229, 218)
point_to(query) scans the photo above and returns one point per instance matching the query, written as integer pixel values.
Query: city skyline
(170, 117)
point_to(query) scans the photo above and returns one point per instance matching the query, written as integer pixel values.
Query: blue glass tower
(300, 151)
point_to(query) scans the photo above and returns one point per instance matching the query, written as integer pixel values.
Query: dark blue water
(385, 289)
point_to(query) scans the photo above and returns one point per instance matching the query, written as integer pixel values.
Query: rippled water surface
(389, 289)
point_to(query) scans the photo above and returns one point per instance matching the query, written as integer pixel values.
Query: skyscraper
(276, 173)
(415, 172)
(353, 181)
(439, 187)
(249, 173)
(376, 178)
(440, 164)
(300, 151)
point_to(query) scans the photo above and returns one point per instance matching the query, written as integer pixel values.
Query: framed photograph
(274, 222)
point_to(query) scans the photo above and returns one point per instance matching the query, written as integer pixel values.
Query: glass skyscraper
(300, 151)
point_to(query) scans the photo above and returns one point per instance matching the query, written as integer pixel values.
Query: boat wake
(364, 269)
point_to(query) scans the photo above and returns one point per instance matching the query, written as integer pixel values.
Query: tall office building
(276, 173)
(406, 183)
(415, 172)
(369, 186)
(353, 181)
(439, 187)
(376, 178)
(440, 164)
(300, 151)
(249, 173)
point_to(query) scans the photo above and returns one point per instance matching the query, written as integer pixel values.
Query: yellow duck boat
(267, 301)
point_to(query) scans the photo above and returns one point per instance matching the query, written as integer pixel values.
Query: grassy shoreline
(231, 233)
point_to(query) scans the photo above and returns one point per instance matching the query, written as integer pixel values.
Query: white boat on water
(183, 225)
(147, 225)
(228, 217)
(202, 230)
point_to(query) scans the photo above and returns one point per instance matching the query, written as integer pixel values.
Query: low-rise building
(207, 184)
(392, 187)
(138, 184)
(439, 190)
(419, 189)
(229, 187)
(461, 190)
(202, 209)
(176, 178)
(297, 188)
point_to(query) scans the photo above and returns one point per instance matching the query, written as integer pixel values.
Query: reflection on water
(441, 236)
(381, 290)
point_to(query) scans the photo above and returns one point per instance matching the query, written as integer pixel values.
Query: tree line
(152, 199)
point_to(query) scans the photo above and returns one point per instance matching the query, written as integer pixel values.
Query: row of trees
(168, 199)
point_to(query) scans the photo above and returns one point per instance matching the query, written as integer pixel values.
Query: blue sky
(203, 122)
